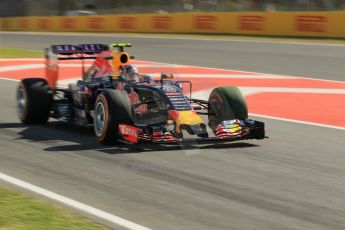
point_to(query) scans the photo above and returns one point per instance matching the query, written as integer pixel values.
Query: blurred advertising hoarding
(308, 24)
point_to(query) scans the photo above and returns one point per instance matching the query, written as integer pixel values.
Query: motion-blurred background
(10, 8)
(294, 180)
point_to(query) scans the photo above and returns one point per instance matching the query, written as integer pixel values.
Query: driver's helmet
(129, 73)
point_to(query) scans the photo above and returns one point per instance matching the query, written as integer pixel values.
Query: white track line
(73, 203)
(246, 91)
(35, 66)
(253, 90)
(203, 94)
(20, 67)
(21, 59)
(8, 79)
(161, 64)
(250, 90)
(297, 121)
(225, 76)
(258, 73)
(78, 61)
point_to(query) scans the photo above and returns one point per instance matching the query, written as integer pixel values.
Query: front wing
(227, 131)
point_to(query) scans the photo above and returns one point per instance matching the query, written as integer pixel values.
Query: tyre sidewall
(118, 111)
(38, 101)
(226, 103)
(102, 98)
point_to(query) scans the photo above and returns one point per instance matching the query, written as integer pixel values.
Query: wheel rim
(21, 102)
(100, 117)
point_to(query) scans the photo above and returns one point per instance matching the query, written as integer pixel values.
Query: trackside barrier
(306, 24)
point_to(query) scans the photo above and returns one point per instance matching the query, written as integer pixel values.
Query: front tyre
(112, 108)
(226, 103)
(33, 101)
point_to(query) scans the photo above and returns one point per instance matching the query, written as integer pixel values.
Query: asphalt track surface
(294, 180)
(302, 60)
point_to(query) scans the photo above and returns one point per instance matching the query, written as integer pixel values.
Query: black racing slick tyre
(33, 101)
(112, 108)
(226, 103)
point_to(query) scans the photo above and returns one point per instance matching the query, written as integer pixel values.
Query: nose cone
(190, 121)
(199, 129)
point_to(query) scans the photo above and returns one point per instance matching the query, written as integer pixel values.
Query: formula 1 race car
(123, 105)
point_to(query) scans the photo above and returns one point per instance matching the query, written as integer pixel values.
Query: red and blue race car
(123, 105)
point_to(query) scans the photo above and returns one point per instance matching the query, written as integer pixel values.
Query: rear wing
(69, 52)
(75, 52)
(81, 52)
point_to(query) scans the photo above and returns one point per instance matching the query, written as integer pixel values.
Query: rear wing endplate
(76, 52)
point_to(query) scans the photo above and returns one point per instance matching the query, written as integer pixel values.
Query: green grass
(19, 53)
(19, 211)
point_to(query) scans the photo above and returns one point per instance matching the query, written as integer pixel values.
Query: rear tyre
(226, 103)
(112, 108)
(33, 101)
